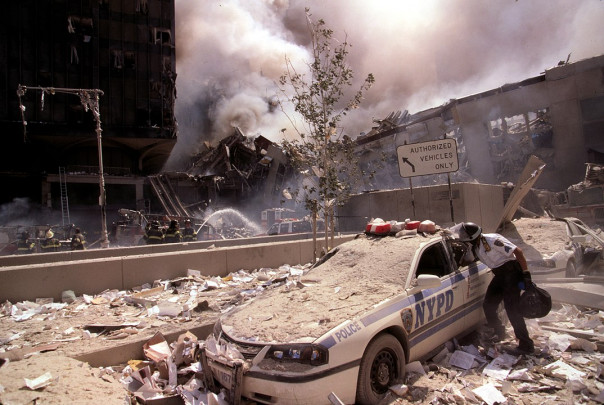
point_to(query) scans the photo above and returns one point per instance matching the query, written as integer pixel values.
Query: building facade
(54, 49)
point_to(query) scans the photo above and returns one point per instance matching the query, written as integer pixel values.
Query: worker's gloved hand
(526, 280)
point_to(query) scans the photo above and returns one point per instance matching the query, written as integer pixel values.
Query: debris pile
(568, 366)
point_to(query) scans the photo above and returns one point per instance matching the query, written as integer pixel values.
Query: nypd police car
(348, 326)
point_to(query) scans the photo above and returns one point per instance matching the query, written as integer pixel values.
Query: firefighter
(78, 241)
(154, 235)
(50, 244)
(173, 234)
(189, 233)
(25, 245)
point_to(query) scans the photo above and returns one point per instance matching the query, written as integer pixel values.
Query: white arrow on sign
(420, 159)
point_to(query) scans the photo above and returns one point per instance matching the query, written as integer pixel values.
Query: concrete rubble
(568, 364)
(567, 367)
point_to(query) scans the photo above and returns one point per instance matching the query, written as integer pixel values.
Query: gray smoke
(421, 52)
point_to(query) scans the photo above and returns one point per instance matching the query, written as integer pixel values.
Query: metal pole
(102, 197)
(94, 106)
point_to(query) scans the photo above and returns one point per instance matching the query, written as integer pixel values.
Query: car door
(438, 311)
(477, 277)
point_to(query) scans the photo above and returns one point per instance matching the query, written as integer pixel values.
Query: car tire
(571, 269)
(382, 365)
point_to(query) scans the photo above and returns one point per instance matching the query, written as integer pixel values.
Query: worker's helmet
(25, 235)
(174, 223)
(155, 224)
(469, 232)
(49, 234)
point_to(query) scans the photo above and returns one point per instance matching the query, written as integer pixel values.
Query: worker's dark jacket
(25, 246)
(77, 242)
(173, 235)
(154, 236)
(50, 245)
(189, 234)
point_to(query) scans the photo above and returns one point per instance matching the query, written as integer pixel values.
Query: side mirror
(428, 281)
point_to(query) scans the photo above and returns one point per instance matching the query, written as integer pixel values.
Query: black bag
(535, 302)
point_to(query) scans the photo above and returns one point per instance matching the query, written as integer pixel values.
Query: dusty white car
(560, 247)
(348, 326)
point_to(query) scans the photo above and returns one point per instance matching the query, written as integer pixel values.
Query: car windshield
(273, 230)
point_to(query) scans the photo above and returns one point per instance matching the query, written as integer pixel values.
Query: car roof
(364, 272)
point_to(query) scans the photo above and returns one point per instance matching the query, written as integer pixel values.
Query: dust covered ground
(47, 341)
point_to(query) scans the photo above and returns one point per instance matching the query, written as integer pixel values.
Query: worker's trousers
(504, 287)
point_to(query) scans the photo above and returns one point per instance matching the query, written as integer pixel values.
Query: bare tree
(321, 96)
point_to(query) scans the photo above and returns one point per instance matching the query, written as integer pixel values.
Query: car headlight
(312, 354)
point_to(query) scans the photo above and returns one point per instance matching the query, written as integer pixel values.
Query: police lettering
(348, 331)
(437, 306)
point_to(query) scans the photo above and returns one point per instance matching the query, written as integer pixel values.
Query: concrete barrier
(41, 258)
(94, 275)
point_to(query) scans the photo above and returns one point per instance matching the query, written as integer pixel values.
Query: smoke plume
(422, 53)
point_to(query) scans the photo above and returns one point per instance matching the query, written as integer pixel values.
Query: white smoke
(231, 53)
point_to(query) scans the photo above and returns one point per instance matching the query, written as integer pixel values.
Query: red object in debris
(412, 225)
(378, 228)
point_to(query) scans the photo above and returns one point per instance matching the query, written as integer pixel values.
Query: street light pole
(90, 101)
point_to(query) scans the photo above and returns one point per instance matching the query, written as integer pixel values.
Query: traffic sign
(420, 159)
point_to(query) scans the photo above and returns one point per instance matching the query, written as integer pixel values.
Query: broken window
(142, 7)
(162, 36)
(79, 25)
(129, 60)
(513, 139)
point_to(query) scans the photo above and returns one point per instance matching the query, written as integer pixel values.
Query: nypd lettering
(348, 331)
(433, 307)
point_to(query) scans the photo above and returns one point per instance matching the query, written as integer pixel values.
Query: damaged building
(557, 116)
(125, 49)
(237, 171)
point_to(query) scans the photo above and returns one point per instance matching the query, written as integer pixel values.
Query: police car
(349, 326)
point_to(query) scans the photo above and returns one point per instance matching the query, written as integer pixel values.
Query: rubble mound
(538, 238)
(363, 272)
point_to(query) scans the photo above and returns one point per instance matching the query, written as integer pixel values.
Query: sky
(422, 53)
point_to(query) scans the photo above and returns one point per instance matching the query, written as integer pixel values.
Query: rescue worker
(78, 240)
(189, 233)
(25, 245)
(511, 274)
(173, 234)
(50, 244)
(154, 235)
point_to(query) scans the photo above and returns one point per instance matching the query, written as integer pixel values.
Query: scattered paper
(489, 394)
(564, 371)
(39, 382)
(461, 359)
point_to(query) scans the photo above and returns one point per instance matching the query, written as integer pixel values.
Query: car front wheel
(382, 365)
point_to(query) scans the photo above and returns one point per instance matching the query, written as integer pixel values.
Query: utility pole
(90, 101)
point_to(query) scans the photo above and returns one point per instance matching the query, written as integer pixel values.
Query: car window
(459, 252)
(273, 230)
(433, 261)
(284, 228)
